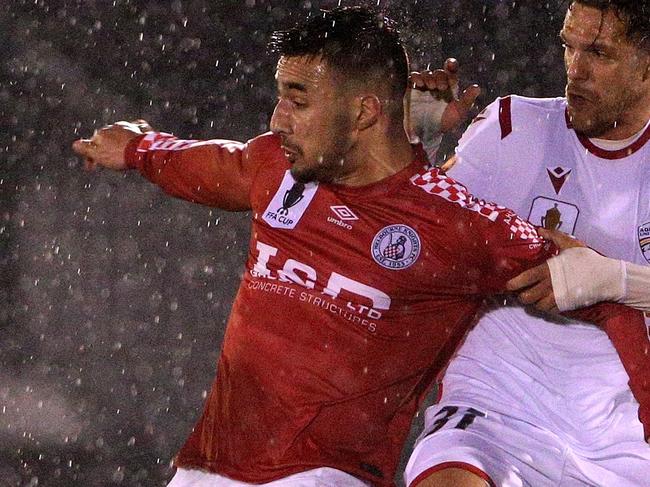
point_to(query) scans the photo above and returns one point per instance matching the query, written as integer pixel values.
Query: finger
(451, 65)
(83, 147)
(468, 98)
(417, 80)
(536, 293)
(438, 80)
(89, 164)
(561, 239)
(528, 278)
(428, 79)
(547, 304)
(143, 124)
(451, 68)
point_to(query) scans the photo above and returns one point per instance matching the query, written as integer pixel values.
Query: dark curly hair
(635, 14)
(359, 43)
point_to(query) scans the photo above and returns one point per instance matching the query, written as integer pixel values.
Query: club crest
(644, 240)
(554, 214)
(396, 247)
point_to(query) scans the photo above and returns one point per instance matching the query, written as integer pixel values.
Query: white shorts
(319, 477)
(507, 452)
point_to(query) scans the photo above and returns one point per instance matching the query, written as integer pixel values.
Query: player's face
(606, 86)
(313, 117)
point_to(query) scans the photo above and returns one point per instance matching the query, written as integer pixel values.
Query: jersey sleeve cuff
(132, 156)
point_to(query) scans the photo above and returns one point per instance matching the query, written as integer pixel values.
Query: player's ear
(369, 111)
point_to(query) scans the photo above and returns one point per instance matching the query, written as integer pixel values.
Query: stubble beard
(602, 118)
(327, 170)
(331, 165)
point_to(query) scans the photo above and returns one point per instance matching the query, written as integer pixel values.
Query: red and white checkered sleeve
(501, 243)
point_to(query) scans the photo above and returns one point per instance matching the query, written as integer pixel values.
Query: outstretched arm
(214, 172)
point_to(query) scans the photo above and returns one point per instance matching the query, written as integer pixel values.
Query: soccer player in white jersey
(531, 400)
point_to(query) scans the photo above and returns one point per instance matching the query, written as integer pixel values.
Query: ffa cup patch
(396, 247)
(644, 240)
(289, 203)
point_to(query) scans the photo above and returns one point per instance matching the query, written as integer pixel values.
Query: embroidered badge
(644, 240)
(289, 203)
(396, 247)
(554, 214)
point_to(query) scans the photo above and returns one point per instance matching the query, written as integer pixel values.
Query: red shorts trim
(461, 465)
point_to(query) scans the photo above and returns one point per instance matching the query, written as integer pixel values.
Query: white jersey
(523, 154)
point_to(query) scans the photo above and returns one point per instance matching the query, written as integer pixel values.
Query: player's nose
(281, 118)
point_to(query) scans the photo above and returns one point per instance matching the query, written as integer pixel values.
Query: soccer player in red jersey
(365, 267)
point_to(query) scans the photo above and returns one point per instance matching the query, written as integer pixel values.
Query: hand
(534, 286)
(106, 146)
(442, 85)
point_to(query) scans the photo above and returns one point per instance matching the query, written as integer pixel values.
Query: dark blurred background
(113, 297)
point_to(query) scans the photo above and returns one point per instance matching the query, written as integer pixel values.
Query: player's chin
(301, 173)
(585, 122)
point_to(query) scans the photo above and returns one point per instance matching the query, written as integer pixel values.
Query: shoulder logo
(644, 240)
(289, 203)
(396, 247)
(558, 176)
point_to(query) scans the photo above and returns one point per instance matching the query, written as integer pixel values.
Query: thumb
(561, 239)
(83, 147)
(468, 97)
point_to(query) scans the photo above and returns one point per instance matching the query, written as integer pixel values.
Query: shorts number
(448, 412)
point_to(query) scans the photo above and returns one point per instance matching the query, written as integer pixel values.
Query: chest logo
(396, 247)
(289, 203)
(644, 240)
(344, 213)
(553, 214)
(558, 176)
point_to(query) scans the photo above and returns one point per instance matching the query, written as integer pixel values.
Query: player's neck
(617, 144)
(379, 157)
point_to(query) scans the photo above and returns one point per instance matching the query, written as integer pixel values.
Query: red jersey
(352, 302)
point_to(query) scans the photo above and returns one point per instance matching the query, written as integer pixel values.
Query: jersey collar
(609, 154)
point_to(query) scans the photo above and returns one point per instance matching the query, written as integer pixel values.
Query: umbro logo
(344, 215)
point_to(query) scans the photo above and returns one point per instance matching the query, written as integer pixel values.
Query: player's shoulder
(438, 191)
(266, 143)
(525, 110)
(449, 200)
(513, 113)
